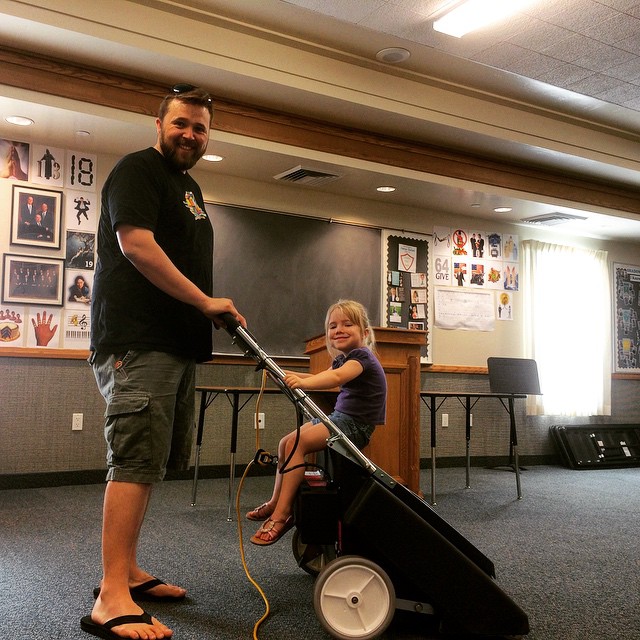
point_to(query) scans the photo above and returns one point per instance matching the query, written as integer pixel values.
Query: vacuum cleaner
(376, 547)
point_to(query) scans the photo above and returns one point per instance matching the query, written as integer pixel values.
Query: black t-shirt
(128, 312)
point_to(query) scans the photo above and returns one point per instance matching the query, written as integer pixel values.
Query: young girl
(359, 408)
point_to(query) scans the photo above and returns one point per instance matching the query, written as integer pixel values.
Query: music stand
(513, 376)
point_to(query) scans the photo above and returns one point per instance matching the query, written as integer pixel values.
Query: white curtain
(567, 328)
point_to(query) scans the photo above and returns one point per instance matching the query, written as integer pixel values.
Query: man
(36, 229)
(46, 217)
(152, 310)
(27, 211)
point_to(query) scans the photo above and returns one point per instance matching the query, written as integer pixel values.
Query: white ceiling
(572, 63)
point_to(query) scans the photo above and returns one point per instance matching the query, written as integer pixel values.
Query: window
(567, 328)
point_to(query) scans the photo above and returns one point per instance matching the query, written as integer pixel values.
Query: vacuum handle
(230, 321)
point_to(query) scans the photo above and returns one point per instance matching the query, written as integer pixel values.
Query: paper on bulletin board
(464, 309)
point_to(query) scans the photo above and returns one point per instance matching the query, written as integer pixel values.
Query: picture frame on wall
(36, 217)
(32, 280)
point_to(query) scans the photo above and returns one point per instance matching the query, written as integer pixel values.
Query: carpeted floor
(567, 554)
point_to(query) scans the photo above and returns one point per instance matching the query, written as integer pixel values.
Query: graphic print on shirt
(192, 205)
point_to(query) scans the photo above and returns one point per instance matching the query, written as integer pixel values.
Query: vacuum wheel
(354, 598)
(312, 558)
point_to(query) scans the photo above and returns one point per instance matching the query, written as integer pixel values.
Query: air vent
(309, 177)
(552, 219)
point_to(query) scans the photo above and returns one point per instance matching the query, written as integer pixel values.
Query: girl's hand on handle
(292, 380)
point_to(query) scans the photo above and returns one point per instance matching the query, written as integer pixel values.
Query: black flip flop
(141, 592)
(104, 630)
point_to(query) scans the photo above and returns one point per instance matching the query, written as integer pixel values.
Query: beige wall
(38, 396)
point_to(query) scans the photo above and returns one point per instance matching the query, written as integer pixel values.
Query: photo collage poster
(627, 309)
(49, 252)
(478, 259)
(406, 282)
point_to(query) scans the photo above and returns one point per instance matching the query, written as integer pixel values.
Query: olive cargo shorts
(149, 420)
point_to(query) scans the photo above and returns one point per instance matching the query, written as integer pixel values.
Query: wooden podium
(394, 447)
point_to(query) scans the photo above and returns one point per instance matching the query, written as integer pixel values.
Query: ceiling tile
(564, 75)
(618, 27)
(596, 84)
(538, 35)
(629, 70)
(620, 94)
(602, 56)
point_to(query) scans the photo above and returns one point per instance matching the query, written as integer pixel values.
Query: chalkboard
(283, 272)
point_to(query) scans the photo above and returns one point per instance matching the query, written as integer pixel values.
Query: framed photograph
(36, 217)
(32, 280)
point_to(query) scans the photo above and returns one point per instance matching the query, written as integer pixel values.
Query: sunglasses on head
(185, 88)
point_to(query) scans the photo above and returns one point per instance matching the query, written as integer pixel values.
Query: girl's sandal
(259, 514)
(273, 534)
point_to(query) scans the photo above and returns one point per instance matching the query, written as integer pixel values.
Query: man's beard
(182, 162)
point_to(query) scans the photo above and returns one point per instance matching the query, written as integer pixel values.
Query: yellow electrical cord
(239, 517)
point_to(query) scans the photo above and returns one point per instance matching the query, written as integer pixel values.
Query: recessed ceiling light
(82, 133)
(503, 209)
(210, 157)
(21, 121)
(475, 205)
(386, 189)
(393, 55)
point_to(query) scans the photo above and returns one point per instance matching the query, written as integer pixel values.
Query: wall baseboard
(97, 476)
(491, 461)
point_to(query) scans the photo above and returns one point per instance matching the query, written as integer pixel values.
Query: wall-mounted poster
(77, 329)
(626, 287)
(12, 326)
(81, 211)
(80, 170)
(36, 217)
(79, 287)
(80, 250)
(464, 309)
(14, 160)
(47, 165)
(42, 328)
(475, 258)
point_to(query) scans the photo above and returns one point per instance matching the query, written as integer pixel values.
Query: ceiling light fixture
(503, 209)
(386, 189)
(211, 157)
(393, 55)
(475, 14)
(21, 121)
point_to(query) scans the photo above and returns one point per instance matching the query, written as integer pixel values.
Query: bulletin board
(405, 293)
(626, 287)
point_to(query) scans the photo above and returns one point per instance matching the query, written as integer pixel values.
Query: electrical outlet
(260, 423)
(445, 420)
(76, 422)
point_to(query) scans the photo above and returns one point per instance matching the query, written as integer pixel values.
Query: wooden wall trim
(69, 80)
(446, 368)
(228, 359)
(82, 354)
(45, 354)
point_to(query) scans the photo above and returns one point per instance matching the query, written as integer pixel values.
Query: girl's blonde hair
(358, 315)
